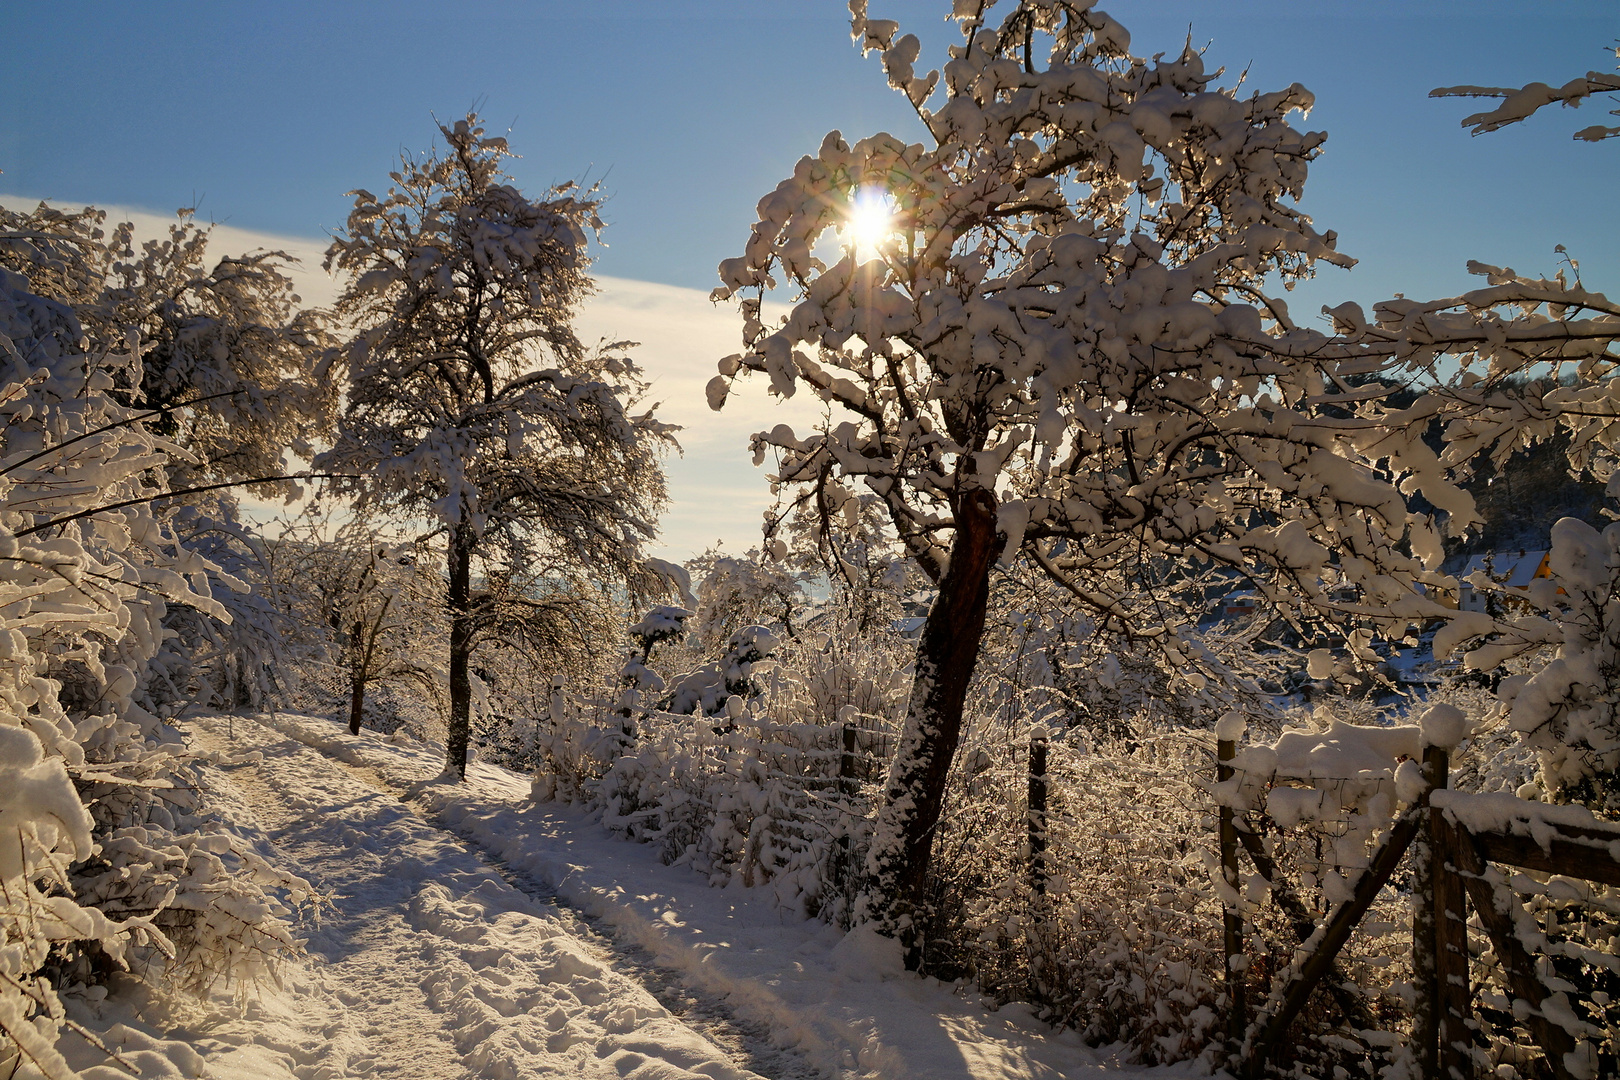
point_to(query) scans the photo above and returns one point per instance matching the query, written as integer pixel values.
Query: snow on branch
(1520, 103)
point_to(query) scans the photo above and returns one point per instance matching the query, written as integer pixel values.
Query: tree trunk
(914, 794)
(461, 643)
(357, 687)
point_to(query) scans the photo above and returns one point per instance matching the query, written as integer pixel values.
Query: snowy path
(433, 965)
(428, 964)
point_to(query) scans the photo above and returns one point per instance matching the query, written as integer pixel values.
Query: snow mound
(866, 955)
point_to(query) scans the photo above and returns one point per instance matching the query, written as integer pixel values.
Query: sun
(870, 223)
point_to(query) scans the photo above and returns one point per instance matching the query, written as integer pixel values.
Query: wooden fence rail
(1450, 875)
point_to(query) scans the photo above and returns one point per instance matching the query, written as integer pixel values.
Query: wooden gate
(1452, 837)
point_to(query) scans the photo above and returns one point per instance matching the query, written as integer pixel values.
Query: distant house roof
(1515, 569)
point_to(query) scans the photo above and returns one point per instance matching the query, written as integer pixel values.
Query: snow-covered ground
(474, 933)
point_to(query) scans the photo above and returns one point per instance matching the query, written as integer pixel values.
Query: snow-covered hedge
(105, 863)
(777, 789)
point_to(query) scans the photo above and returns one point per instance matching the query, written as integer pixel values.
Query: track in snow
(441, 972)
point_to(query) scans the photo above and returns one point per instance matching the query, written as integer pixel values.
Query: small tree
(380, 627)
(471, 400)
(1049, 337)
(366, 606)
(734, 593)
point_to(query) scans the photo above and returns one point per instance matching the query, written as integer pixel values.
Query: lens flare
(871, 223)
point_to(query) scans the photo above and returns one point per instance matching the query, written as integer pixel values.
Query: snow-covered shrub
(834, 674)
(747, 799)
(639, 684)
(104, 862)
(742, 777)
(1123, 944)
(575, 743)
(709, 689)
(1568, 708)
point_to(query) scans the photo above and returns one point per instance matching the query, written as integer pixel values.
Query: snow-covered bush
(104, 862)
(1123, 943)
(749, 800)
(742, 777)
(709, 690)
(837, 675)
(734, 593)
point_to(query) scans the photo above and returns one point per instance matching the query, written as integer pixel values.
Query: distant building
(1514, 570)
(910, 627)
(1235, 605)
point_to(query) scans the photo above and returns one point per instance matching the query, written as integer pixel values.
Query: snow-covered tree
(382, 617)
(1049, 336)
(734, 593)
(104, 862)
(233, 364)
(471, 400)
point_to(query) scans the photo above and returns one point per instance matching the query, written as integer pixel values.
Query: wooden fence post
(1439, 937)
(846, 760)
(1035, 823)
(1425, 1015)
(1517, 963)
(1237, 1019)
(1453, 1007)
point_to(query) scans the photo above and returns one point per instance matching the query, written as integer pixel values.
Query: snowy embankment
(499, 974)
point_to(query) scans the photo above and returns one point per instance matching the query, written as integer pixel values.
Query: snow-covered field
(473, 933)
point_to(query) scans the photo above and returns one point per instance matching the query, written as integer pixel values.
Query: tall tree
(471, 399)
(1052, 334)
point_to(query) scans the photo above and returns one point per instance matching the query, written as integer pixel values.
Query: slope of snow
(507, 994)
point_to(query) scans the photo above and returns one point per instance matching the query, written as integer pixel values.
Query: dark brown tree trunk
(914, 794)
(461, 643)
(357, 689)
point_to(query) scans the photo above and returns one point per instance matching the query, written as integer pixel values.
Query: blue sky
(264, 115)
